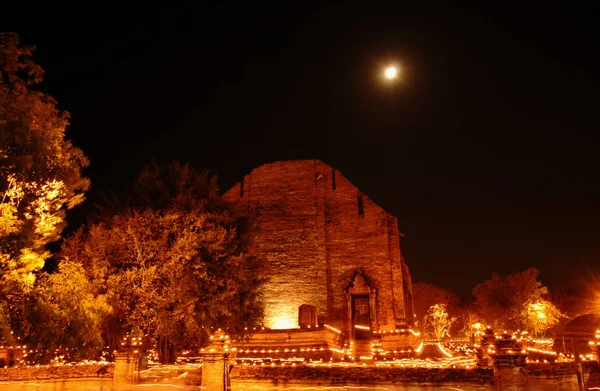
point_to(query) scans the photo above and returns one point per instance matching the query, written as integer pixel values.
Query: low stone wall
(46, 372)
(396, 345)
(276, 345)
(557, 369)
(333, 374)
(293, 337)
(363, 374)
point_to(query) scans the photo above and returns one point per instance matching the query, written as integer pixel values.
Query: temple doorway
(362, 308)
(361, 317)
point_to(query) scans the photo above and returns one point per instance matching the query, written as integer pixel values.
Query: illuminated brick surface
(315, 236)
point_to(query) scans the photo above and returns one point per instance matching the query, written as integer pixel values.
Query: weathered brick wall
(280, 339)
(316, 229)
(558, 369)
(282, 201)
(47, 372)
(358, 374)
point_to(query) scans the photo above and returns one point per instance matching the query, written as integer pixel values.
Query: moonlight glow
(391, 72)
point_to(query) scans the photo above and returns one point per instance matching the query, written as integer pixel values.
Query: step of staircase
(361, 350)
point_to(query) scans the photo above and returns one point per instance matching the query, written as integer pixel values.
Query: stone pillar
(128, 365)
(509, 359)
(307, 316)
(485, 348)
(578, 366)
(215, 364)
(510, 379)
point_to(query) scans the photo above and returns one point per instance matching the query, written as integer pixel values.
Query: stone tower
(328, 247)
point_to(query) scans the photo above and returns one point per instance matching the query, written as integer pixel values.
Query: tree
(438, 322)
(539, 316)
(427, 295)
(502, 302)
(468, 322)
(40, 175)
(175, 263)
(66, 314)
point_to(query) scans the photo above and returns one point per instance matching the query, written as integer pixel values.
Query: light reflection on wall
(281, 316)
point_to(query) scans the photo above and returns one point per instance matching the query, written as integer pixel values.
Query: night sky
(486, 150)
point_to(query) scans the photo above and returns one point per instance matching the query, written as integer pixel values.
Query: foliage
(539, 316)
(40, 175)
(176, 268)
(66, 315)
(438, 322)
(468, 322)
(427, 295)
(503, 302)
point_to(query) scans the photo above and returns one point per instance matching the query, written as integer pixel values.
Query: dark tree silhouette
(173, 261)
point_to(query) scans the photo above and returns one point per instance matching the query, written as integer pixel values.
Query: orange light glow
(282, 317)
(391, 72)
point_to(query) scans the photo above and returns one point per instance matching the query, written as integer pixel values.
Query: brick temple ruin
(338, 281)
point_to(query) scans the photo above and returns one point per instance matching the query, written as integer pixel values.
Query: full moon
(391, 72)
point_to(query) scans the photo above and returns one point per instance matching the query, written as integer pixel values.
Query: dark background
(486, 150)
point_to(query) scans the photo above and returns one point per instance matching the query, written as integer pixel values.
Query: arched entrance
(361, 307)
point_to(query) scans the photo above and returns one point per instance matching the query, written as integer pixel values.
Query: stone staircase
(361, 350)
